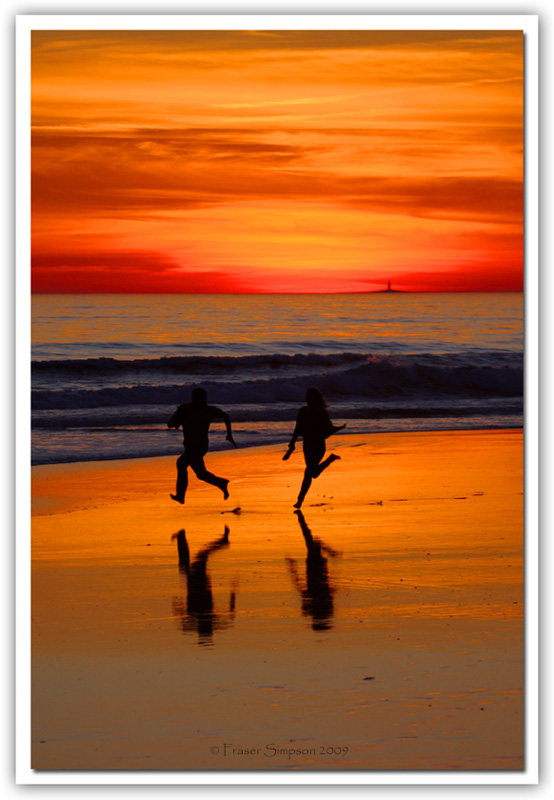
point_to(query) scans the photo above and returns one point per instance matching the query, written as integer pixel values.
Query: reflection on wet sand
(426, 604)
(197, 613)
(317, 593)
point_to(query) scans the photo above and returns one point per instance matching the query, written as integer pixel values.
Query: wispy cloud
(240, 153)
(298, 101)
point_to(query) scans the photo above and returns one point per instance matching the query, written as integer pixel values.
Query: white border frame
(27, 23)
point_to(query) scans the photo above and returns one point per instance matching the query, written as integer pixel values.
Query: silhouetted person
(195, 419)
(314, 426)
(317, 595)
(197, 613)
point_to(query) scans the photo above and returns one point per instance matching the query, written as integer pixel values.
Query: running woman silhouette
(314, 426)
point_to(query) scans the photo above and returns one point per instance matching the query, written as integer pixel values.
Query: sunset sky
(277, 161)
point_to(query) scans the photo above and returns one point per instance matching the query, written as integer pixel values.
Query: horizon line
(373, 291)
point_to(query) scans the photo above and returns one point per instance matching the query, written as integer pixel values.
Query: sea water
(108, 370)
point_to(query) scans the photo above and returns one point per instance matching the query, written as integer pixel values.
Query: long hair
(315, 399)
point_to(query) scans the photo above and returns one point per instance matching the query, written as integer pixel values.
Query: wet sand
(381, 629)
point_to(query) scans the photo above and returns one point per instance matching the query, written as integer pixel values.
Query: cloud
(109, 175)
(127, 272)
(489, 199)
(297, 101)
(192, 158)
(61, 44)
(503, 275)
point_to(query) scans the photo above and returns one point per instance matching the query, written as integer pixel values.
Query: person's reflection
(317, 594)
(197, 612)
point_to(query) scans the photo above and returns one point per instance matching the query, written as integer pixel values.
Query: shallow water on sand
(108, 370)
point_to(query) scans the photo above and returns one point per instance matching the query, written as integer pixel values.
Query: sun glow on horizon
(278, 161)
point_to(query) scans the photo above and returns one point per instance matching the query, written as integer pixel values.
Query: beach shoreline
(381, 628)
(43, 476)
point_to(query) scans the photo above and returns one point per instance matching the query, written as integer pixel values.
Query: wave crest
(248, 379)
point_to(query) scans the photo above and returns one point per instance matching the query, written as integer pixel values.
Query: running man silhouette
(195, 419)
(314, 426)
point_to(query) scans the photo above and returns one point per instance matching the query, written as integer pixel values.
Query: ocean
(108, 370)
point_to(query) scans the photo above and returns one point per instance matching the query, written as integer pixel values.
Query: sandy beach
(380, 629)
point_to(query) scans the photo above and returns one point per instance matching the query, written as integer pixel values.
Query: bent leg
(324, 464)
(313, 453)
(208, 477)
(314, 467)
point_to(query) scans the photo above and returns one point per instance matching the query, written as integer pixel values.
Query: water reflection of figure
(317, 595)
(197, 612)
(314, 426)
(195, 419)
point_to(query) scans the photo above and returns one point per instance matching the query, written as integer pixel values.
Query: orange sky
(223, 161)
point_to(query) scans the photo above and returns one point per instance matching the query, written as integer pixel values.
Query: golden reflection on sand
(381, 628)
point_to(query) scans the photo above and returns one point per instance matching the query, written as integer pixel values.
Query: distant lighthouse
(388, 290)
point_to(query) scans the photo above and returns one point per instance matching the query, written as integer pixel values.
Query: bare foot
(226, 490)
(178, 499)
(298, 504)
